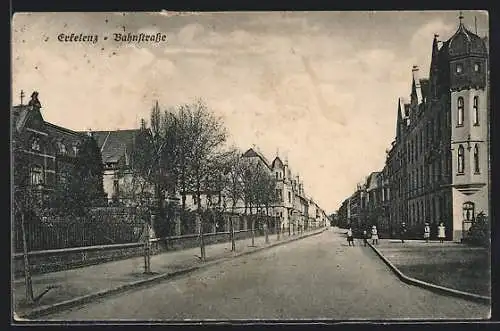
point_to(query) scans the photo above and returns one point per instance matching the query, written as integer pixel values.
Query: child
(374, 235)
(349, 237)
(441, 232)
(427, 232)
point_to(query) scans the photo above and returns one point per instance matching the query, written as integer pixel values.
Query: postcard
(250, 166)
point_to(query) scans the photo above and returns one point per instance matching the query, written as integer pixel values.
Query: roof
(465, 42)
(114, 144)
(277, 163)
(64, 135)
(253, 153)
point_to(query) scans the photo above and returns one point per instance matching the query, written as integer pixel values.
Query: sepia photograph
(195, 167)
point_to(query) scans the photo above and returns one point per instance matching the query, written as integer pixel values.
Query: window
(477, 67)
(476, 110)
(61, 148)
(35, 145)
(36, 174)
(276, 175)
(116, 187)
(289, 197)
(459, 68)
(476, 159)
(460, 111)
(468, 209)
(460, 165)
(75, 150)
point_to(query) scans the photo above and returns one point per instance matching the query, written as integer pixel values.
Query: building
(116, 147)
(437, 167)
(43, 153)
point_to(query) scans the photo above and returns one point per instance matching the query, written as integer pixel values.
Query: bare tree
(234, 187)
(207, 135)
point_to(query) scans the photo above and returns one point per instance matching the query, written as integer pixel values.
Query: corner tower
(468, 68)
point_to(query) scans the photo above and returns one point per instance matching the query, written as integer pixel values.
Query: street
(319, 277)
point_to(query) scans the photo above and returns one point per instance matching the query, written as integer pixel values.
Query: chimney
(416, 76)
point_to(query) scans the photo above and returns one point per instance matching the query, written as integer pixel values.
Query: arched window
(460, 165)
(476, 110)
(36, 175)
(468, 210)
(460, 111)
(476, 159)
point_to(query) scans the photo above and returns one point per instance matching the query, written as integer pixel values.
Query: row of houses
(52, 149)
(437, 168)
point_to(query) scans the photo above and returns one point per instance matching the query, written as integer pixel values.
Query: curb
(432, 287)
(60, 306)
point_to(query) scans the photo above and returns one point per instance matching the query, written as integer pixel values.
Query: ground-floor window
(468, 211)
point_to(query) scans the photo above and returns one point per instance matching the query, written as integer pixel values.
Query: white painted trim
(36, 131)
(39, 154)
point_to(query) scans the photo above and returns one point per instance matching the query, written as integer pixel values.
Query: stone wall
(63, 259)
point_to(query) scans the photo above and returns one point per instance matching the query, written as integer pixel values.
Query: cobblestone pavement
(319, 277)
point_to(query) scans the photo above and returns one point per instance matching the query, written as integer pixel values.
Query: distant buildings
(437, 168)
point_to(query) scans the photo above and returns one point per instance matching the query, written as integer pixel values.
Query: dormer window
(459, 68)
(477, 67)
(61, 148)
(35, 144)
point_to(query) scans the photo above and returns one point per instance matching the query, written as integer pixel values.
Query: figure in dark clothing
(403, 232)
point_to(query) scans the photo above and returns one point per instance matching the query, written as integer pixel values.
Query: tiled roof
(114, 144)
(68, 137)
(252, 153)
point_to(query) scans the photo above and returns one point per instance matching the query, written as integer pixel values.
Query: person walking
(441, 232)
(374, 235)
(349, 237)
(365, 237)
(403, 232)
(427, 232)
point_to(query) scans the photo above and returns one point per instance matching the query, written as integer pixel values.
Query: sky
(317, 88)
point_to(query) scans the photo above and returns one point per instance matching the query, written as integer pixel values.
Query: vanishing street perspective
(238, 166)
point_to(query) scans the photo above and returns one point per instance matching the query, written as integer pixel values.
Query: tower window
(460, 111)
(476, 110)
(476, 67)
(459, 68)
(476, 159)
(460, 165)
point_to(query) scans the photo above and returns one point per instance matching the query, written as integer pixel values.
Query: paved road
(315, 278)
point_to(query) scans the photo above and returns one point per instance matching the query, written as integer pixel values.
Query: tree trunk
(200, 222)
(267, 226)
(27, 272)
(253, 226)
(231, 229)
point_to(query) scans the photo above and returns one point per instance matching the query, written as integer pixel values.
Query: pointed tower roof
(465, 42)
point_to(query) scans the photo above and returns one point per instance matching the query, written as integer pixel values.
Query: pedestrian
(441, 232)
(365, 237)
(403, 232)
(374, 235)
(349, 237)
(427, 232)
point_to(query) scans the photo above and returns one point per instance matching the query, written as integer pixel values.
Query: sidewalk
(102, 278)
(450, 265)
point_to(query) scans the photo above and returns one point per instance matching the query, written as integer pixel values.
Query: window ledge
(476, 124)
(460, 125)
(460, 173)
(477, 173)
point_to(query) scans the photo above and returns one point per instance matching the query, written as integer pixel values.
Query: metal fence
(58, 235)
